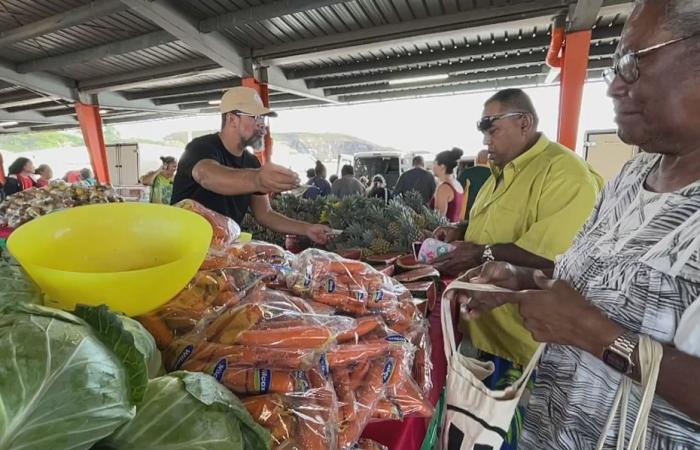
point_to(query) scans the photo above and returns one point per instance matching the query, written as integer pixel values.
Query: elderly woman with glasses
(634, 268)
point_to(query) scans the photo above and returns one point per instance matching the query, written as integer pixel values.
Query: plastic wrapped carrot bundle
(288, 301)
(422, 364)
(226, 231)
(206, 293)
(271, 411)
(317, 273)
(367, 444)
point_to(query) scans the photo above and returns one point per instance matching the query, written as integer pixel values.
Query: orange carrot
(367, 397)
(295, 337)
(353, 353)
(157, 327)
(410, 400)
(242, 380)
(346, 396)
(358, 374)
(364, 326)
(343, 303)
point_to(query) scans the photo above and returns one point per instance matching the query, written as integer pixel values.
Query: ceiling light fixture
(410, 80)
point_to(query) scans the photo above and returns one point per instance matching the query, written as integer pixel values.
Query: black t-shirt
(184, 186)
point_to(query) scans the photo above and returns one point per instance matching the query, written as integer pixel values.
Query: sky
(421, 124)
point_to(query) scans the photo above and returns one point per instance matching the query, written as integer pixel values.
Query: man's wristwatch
(487, 255)
(618, 355)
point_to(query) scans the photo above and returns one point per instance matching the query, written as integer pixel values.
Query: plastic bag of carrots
(208, 292)
(226, 231)
(368, 444)
(320, 274)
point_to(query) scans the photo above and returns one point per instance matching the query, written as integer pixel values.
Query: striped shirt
(638, 260)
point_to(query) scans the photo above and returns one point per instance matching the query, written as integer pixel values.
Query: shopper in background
(417, 179)
(19, 176)
(379, 189)
(332, 179)
(45, 174)
(449, 195)
(86, 178)
(320, 187)
(161, 180)
(218, 170)
(472, 179)
(347, 184)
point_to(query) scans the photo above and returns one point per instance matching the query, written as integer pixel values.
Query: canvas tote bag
(475, 417)
(650, 355)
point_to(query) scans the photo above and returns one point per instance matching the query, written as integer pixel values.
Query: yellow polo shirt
(545, 197)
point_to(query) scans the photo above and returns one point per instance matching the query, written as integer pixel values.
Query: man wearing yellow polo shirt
(527, 213)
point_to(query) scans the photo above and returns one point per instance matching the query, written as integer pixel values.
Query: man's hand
(558, 314)
(449, 233)
(465, 256)
(503, 274)
(274, 178)
(318, 233)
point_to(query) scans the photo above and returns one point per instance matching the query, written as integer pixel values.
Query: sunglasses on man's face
(486, 122)
(260, 120)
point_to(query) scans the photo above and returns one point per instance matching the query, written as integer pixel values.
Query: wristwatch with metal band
(618, 355)
(487, 255)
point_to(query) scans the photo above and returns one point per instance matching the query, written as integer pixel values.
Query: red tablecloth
(409, 434)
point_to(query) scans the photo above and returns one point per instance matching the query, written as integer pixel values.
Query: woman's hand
(498, 273)
(558, 314)
(318, 233)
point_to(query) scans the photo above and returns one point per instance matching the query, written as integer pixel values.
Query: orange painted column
(2, 171)
(573, 77)
(264, 92)
(91, 126)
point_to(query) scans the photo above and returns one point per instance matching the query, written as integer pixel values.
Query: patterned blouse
(638, 260)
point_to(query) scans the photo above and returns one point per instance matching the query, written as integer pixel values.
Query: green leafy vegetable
(145, 344)
(16, 287)
(111, 331)
(192, 411)
(60, 387)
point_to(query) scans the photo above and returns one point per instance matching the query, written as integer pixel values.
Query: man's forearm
(517, 256)
(225, 180)
(281, 223)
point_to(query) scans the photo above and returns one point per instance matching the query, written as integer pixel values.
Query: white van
(388, 164)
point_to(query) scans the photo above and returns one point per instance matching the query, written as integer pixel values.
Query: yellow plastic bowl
(133, 257)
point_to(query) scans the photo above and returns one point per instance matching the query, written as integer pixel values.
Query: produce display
(367, 223)
(317, 346)
(262, 349)
(36, 202)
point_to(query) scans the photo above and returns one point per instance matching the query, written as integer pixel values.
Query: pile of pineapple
(367, 223)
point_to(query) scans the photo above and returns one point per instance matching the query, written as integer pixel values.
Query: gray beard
(255, 142)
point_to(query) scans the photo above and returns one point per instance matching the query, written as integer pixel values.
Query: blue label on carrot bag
(388, 369)
(323, 362)
(220, 369)
(183, 356)
(396, 338)
(330, 285)
(264, 379)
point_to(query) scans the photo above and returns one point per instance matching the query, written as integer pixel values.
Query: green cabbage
(189, 411)
(16, 287)
(60, 387)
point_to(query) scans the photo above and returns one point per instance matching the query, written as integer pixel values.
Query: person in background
(332, 179)
(218, 171)
(473, 178)
(161, 180)
(449, 195)
(19, 176)
(365, 182)
(347, 184)
(86, 178)
(633, 269)
(310, 174)
(379, 189)
(527, 213)
(45, 175)
(320, 187)
(417, 179)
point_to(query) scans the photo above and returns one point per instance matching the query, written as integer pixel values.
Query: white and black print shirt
(638, 260)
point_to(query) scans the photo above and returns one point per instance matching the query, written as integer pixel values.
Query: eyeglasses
(485, 123)
(260, 120)
(627, 67)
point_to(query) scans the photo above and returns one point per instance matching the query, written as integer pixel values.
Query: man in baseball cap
(218, 170)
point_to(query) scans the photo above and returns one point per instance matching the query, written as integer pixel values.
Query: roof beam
(276, 79)
(99, 52)
(130, 80)
(453, 79)
(472, 50)
(583, 15)
(394, 34)
(296, 104)
(183, 90)
(44, 103)
(60, 21)
(35, 117)
(255, 14)
(42, 82)
(193, 98)
(534, 58)
(215, 46)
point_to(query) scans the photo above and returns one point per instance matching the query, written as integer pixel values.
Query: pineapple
(380, 246)
(413, 200)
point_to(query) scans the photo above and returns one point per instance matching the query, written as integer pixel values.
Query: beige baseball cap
(244, 99)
